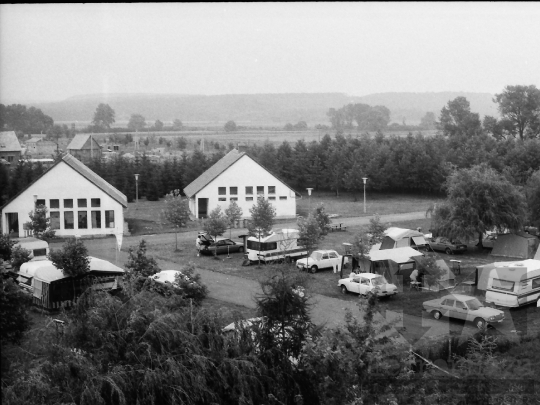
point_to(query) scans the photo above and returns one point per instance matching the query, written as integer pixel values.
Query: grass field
(143, 217)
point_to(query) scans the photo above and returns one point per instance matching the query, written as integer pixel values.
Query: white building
(238, 177)
(79, 201)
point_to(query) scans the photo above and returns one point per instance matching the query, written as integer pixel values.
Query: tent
(400, 237)
(395, 265)
(518, 246)
(447, 279)
(537, 255)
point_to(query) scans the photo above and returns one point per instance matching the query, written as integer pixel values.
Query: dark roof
(79, 141)
(86, 173)
(9, 142)
(219, 167)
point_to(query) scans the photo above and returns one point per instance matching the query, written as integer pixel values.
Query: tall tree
(40, 223)
(103, 117)
(177, 125)
(520, 106)
(230, 126)
(479, 199)
(136, 122)
(457, 119)
(139, 267)
(262, 219)
(158, 125)
(428, 121)
(309, 233)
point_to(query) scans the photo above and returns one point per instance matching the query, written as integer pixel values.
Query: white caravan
(513, 284)
(279, 245)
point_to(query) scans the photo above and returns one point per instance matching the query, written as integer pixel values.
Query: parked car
(166, 277)
(489, 241)
(319, 259)
(367, 283)
(222, 245)
(447, 245)
(463, 307)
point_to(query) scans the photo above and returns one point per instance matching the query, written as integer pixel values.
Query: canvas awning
(419, 240)
(397, 255)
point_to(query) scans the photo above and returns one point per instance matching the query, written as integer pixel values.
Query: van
(513, 284)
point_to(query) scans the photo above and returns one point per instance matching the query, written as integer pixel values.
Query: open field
(143, 217)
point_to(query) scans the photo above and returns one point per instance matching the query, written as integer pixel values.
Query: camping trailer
(52, 290)
(513, 284)
(280, 245)
(27, 272)
(39, 249)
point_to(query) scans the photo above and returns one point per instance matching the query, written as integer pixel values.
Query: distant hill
(256, 109)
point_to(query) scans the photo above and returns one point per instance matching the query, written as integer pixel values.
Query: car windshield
(379, 281)
(316, 256)
(474, 304)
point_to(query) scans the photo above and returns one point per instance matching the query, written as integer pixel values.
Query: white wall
(246, 172)
(62, 182)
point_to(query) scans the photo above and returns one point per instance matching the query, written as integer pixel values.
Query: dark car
(447, 245)
(222, 245)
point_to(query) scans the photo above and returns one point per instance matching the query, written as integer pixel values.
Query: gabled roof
(86, 173)
(219, 167)
(9, 142)
(398, 255)
(79, 141)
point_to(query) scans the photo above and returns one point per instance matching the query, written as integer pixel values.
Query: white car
(320, 259)
(367, 283)
(167, 277)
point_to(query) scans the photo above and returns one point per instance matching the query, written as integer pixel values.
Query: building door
(12, 221)
(203, 208)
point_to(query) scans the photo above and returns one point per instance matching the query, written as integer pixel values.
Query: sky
(49, 52)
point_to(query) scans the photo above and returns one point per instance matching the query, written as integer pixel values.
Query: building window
(283, 197)
(233, 198)
(271, 198)
(40, 202)
(109, 219)
(271, 189)
(96, 219)
(83, 220)
(55, 219)
(249, 198)
(222, 190)
(81, 202)
(249, 190)
(260, 190)
(55, 204)
(68, 203)
(233, 190)
(68, 220)
(222, 199)
(95, 202)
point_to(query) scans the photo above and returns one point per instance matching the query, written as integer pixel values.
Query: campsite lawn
(144, 217)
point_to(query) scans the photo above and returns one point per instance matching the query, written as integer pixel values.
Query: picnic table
(338, 227)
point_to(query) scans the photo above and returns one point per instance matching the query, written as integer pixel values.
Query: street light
(137, 189)
(309, 193)
(365, 179)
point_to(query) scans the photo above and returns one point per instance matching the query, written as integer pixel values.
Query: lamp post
(137, 189)
(309, 193)
(365, 180)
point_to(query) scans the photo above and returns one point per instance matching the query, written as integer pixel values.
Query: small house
(10, 148)
(84, 147)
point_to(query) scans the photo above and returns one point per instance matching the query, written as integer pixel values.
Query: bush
(19, 256)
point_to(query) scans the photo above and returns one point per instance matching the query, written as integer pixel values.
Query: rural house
(10, 148)
(84, 147)
(39, 147)
(238, 177)
(79, 202)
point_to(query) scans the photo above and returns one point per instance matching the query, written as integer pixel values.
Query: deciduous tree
(233, 213)
(14, 318)
(72, 259)
(262, 219)
(533, 198)
(520, 106)
(457, 119)
(103, 117)
(230, 126)
(176, 211)
(376, 229)
(479, 199)
(40, 223)
(136, 122)
(216, 224)
(309, 232)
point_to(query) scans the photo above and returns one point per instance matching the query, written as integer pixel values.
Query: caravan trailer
(513, 284)
(280, 245)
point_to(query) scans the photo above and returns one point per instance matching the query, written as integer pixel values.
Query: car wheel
(448, 251)
(344, 290)
(480, 323)
(436, 314)
(313, 269)
(241, 249)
